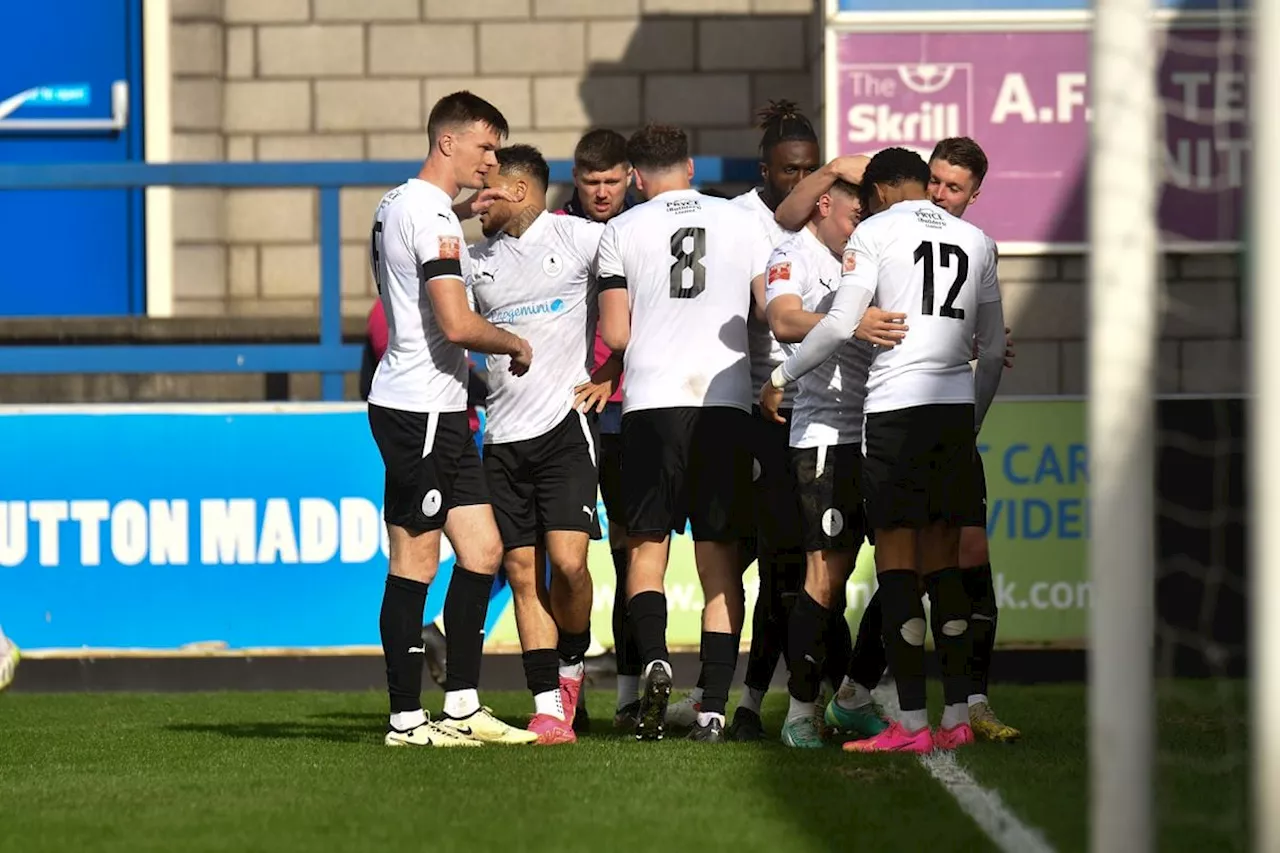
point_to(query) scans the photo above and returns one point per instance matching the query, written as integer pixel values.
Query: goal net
(1175, 481)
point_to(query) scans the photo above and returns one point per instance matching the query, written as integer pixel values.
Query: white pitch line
(984, 805)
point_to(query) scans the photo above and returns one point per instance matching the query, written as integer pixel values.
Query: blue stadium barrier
(330, 357)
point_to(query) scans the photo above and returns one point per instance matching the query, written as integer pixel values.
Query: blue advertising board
(158, 528)
(1022, 5)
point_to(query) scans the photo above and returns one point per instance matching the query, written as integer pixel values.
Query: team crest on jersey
(551, 265)
(849, 261)
(780, 272)
(450, 248)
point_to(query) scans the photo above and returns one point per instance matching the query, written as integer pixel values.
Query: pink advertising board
(1024, 96)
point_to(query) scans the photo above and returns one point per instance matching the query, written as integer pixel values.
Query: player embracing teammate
(957, 169)
(923, 407)
(681, 283)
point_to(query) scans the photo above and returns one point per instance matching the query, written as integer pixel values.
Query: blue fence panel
(331, 358)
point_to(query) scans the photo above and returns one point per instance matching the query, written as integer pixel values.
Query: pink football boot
(551, 730)
(954, 737)
(894, 739)
(570, 690)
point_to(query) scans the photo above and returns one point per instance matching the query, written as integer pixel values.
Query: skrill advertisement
(1025, 97)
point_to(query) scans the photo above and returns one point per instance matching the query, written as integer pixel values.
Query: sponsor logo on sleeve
(450, 248)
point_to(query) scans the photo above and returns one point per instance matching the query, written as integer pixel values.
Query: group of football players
(798, 379)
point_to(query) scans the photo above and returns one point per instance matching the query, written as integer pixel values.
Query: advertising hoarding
(231, 527)
(1024, 96)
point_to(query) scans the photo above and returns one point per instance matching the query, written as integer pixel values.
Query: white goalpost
(1262, 302)
(1123, 319)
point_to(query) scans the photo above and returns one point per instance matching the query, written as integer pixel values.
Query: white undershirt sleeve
(860, 264)
(848, 306)
(990, 338)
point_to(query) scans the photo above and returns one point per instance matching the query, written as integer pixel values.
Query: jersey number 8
(689, 248)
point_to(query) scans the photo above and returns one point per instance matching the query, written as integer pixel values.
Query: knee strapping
(912, 631)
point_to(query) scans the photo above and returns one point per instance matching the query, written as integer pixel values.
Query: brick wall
(354, 79)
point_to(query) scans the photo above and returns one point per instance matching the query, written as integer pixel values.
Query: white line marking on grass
(984, 805)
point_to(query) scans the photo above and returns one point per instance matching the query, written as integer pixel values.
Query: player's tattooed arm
(797, 207)
(465, 328)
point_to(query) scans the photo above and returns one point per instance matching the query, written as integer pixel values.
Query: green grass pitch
(307, 772)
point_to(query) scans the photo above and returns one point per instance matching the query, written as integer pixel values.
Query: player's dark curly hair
(892, 167)
(658, 146)
(524, 160)
(782, 121)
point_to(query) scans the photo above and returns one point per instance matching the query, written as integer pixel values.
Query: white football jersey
(766, 353)
(687, 261)
(920, 260)
(828, 402)
(538, 286)
(416, 238)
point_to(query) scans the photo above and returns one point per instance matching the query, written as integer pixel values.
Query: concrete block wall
(1201, 350)
(354, 79)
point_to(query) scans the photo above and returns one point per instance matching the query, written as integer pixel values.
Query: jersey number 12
(924, 254)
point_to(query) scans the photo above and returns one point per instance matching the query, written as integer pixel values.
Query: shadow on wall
(706, 73)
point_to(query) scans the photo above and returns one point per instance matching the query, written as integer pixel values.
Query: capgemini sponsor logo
(521, 312)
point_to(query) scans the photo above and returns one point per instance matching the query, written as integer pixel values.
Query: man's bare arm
(479, 202)
(797, 207)
(467, 329)
(790, 323)
(615, 318)
(788, 320)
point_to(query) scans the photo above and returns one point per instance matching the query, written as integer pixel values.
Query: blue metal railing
(330, 357)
